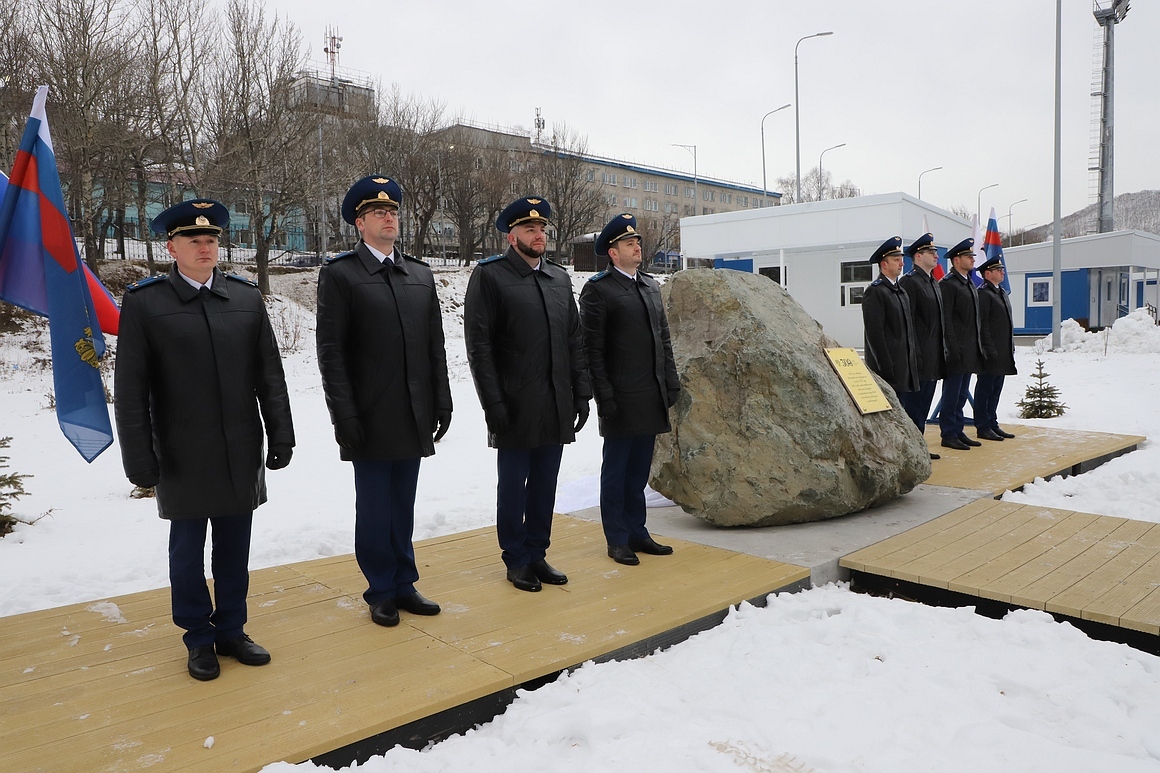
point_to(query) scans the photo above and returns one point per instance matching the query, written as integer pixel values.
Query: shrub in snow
(1041, 401)
(11, 489)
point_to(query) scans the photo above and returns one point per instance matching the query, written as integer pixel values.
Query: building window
(630, 202)
(610, 199)
(688, 192)
(726, 198)
(629, 182)
(515, 189)
(513, 165)
(652, 205)
(707, 195)
(478, 163)
(590, 175)
(672, 189)
(690, 210)
(1039, 291)
(773, 272)
(743, 201)
(856, 277)
(652, 186)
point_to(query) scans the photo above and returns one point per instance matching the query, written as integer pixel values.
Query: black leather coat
(381, 352)
(525, 348)
(629, 355)
(926, 310)
(889, 334)
(997, 328)
(192, 372)
(961, 323)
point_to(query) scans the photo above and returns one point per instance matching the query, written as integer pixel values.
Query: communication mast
(539, 125)
(332, 42)
(1108, 14)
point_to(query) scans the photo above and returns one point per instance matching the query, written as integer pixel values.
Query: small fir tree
(11, 489)
(1041, 400)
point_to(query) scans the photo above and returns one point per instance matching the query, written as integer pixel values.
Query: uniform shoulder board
(554, 263)
(492, 259)
(416, 260)
(598, 276)
(238, 278)
(145, 282)
(339, 256)
(876, 282)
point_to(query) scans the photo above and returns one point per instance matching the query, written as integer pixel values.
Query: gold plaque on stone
(858, 380)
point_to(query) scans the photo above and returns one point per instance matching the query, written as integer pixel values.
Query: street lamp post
(824, 152)
(979, 202)
(934, 169)
(796, 123)
(692, 149)
(764, 185)
(1010, 222)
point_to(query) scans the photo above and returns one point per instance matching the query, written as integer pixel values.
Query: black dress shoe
(244, 649)
(417, 604)
(935, 456)
(524, 578)
(986, 434)
(384, 613)
(967, 441)
(955, 443)
(203, 663)
(622, 554)
(650, 546)
(545, 572)
(1002, 433)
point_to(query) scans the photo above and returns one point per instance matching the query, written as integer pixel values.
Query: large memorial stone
(764, 433)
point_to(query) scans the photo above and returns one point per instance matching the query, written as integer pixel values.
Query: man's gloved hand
(581, 414)
(672, 397)
(496, 416)
(279, 456)
(442, 422)
(348, 433)
(146, 479)
(606, 409)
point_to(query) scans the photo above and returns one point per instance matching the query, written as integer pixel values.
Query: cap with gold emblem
(965, 247)
(619, 227)
(924, 242)
(375, 189)
(890, 247)
(530, 209)
(192, 218)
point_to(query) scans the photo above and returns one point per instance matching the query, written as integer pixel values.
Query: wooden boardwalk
(1035, 452)
(103, 687)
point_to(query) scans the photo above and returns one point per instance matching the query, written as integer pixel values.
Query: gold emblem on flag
(201, 220)
(203, 204)
(86, 350)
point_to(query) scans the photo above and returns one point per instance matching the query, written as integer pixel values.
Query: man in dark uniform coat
(197, 373)
(964, 353)
(888, 326)
(634, 380)
(525, 349)
(997, 329)
(384, 371)
(926, 311)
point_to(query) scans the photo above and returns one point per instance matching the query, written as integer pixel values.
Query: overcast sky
(907, 85)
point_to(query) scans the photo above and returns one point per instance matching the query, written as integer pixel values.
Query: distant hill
(1138, 211)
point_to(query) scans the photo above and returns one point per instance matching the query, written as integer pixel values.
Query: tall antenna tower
(1108, 14)
(539, 125)
(331, 43)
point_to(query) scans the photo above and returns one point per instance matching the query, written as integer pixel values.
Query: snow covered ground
(825, 680)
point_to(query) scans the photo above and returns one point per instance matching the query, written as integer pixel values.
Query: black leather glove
(581, 415)
(606, 409)
(348, 432)
(279, 456)
(146, 479)
(442, 422)
(672, 397)
(496, 416)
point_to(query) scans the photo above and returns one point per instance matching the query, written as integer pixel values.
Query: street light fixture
(1010, 223)
(979, 202)
(934, 169)
(764, 186)
(796, 123)
(824, 152)
(692, 149)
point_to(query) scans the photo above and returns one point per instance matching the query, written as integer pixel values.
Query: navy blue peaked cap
(923, 242)
(965, 247)
(375, 189)
(526, 210)
(996, 261)
(892, 246)
(192, 218)
(619, 227)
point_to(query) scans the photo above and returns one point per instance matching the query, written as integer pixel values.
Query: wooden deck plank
(1062, 566)
(1039, 533)
(934, 568)
(1094, 570)
(1111, 607)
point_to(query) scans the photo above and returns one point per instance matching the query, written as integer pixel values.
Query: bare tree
(16, 86)
(260, 139)
(560, 172)
(817, 185)
(463, 191)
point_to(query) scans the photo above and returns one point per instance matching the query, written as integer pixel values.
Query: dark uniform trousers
(917, 404)
(384, 521)
(955, 393)
(193, 609)
(525, 499)
(987, 391)
(623, 477)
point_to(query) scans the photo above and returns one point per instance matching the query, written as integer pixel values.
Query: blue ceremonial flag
(41, 270)
(993, 247)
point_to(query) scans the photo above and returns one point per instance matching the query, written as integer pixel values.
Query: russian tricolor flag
(992, 247)
(41, 270)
